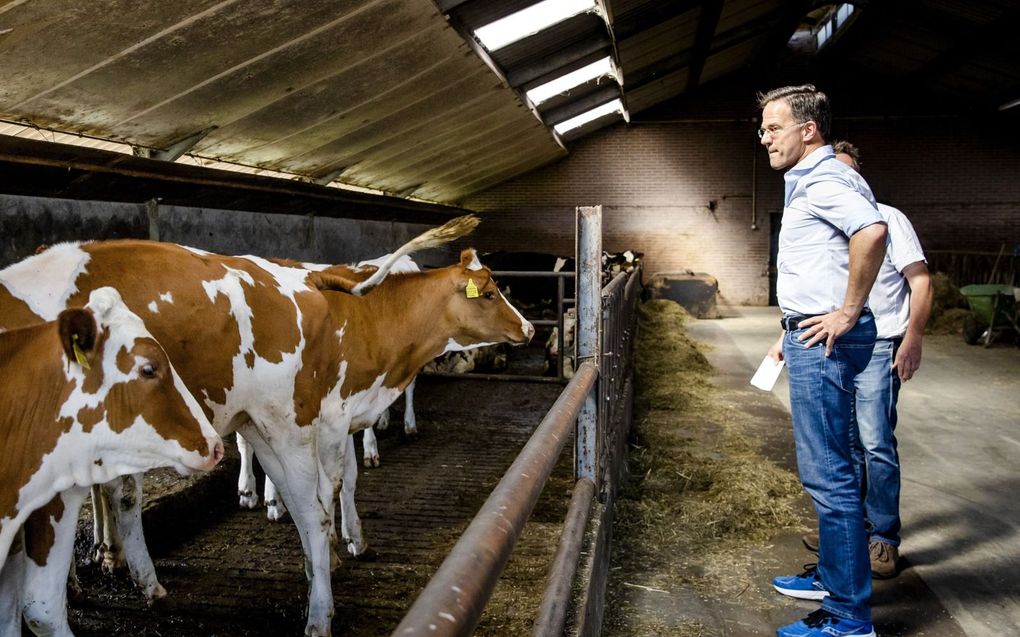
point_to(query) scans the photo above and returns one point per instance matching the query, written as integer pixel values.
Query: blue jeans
(821, 402)
(878, 388)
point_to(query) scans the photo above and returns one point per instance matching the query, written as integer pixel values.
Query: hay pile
(948, 308)
(701, 496)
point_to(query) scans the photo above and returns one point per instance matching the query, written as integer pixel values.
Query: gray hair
(806, 104)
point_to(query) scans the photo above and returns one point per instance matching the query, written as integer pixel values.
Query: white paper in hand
(767, 374)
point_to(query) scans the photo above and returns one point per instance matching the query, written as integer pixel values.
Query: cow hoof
(355, 549)
(275, 510)
(247, 499)
(155, 593)
(368, 554)
(112, 563)
(372, 461)
(316, 631)
(411, 435)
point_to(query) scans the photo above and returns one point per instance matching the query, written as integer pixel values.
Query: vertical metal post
(560, 292)
(589, 314)
(152, 212)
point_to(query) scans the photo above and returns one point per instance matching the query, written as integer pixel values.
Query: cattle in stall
(86, 398)
(294, 358)
(538, 294)
(552, 346)
(614, 263)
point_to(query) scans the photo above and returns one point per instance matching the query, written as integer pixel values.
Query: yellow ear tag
(78, 354)
(472, 290)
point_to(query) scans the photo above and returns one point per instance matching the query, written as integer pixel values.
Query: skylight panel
(564, 83)
(535, 18)
(836, 20)
(613, 106)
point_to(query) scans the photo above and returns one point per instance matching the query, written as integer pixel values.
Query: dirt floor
(233, 573)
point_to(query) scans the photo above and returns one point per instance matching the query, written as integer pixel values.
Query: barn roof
(401, 96)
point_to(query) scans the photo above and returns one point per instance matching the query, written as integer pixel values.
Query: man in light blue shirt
(831, 246)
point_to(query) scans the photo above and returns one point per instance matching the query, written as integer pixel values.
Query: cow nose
(529, 330)
(216, 452)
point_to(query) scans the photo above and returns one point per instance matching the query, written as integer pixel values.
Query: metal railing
(453, 601)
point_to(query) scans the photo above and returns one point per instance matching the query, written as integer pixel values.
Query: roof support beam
(325, 180)
(781, 29)
(707, 25)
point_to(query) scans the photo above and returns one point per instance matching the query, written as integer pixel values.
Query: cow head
(128, 398)
(477, 309)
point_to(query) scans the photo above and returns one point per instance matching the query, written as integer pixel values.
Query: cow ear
(78, 331)
(103, 301)
(469, 260)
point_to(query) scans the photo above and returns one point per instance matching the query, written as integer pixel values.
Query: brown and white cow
(86, 398)
(289, 356)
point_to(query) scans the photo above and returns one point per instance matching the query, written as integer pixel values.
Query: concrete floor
(959, 441)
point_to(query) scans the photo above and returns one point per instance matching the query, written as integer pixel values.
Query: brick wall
(658, 185)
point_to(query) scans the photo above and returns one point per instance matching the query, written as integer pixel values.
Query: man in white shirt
(831, 246)
(901, 301)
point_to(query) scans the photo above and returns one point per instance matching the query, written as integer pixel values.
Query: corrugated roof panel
(732, 59)
(658, 90)
(537, 47)
(297, 87)
(737, 13)
(657, 43)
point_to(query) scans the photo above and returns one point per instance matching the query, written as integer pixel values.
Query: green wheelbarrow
(993, 312)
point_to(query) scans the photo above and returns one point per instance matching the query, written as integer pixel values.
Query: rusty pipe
(452, 602)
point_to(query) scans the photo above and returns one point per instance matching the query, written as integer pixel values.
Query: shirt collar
(814, 158)
(805, 166)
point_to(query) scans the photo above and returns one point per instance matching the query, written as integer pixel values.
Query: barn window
(535, 18)
(614, 106)
(837, 17)
(564, 83)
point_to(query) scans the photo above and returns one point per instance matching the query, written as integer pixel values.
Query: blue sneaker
(822, 623)
(803, 586)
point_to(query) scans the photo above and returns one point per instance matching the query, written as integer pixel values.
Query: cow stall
(231, 572)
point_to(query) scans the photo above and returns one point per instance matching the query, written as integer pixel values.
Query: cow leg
(301, 479)
(12, 575)
(110, 554)
(124, 517)
(410, 424)
(275, 507)
(350, 522)
(98, 513)
(247, 492)
(371, 447)
(49, 558)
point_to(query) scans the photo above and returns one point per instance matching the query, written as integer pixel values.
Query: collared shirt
(826, 203)
(890, 297)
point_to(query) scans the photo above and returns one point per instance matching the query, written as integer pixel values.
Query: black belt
(793, 321)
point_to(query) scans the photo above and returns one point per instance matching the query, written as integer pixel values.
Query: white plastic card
(768, 373)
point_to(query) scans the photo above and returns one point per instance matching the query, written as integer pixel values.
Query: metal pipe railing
(453, 600)
(552, 613)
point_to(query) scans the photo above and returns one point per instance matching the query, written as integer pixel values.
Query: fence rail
(453, 601)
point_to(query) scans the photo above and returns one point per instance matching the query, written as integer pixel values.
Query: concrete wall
(657, 184)
(28, 222)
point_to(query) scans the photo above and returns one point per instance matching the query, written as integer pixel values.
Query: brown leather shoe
(883, 559)
(811, 541)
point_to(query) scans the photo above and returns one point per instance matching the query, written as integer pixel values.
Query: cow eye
(149, 370)
(490, 295)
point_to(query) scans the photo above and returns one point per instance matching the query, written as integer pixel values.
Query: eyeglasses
(775, 132)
